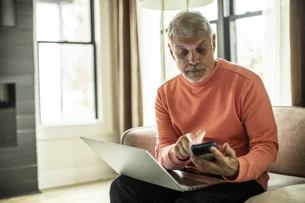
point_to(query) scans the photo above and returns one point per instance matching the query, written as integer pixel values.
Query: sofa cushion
(279, 180)
(288, 194)
(291, 135)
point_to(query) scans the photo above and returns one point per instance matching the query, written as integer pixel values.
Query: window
(67, 61)
(242, 6)
(244, 26)
(248, 52)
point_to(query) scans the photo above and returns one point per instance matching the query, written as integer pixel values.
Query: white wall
(69, 161)
(63, 158)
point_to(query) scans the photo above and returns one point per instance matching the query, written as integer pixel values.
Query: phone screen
(203, 150)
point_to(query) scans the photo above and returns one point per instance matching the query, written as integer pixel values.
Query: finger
(200, 134)
(183, 152)
(186, 146)
(224, 148)
(200, 131)
(190, 137)
(198, 161)
(198, 164)
(229, 151)
(217, 154)
(206, 166)
(202, 161)
(178, 154)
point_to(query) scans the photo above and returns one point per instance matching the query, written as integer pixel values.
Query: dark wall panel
(25, 107)
(15, 189)
(16, 65)
(10, 37)
(18, 159)
(26, 142)
(18, 51)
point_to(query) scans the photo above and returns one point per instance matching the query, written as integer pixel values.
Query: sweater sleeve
(166, 138)
(257, 116)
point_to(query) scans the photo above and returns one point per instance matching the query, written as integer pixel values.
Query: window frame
(92, 42)
(225, 32)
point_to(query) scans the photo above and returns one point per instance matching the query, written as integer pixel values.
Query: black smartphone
(203, 150)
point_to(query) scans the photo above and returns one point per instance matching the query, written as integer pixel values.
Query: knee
(120, 190)
(125, 190)
(115, 186)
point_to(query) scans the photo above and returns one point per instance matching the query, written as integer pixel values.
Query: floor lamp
(164, 5)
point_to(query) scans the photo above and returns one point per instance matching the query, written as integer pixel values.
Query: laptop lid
(133, 162)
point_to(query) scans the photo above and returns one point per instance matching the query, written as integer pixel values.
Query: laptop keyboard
(189, 182)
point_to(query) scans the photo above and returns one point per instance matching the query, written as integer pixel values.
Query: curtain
(130, 92)
(276, 52)
(297, 37)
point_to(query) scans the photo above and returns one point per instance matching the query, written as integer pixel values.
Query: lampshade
(173, 4)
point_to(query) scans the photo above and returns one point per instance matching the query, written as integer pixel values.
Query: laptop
(139, 164)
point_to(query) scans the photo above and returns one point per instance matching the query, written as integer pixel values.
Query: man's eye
(201, 50)
(183, 53)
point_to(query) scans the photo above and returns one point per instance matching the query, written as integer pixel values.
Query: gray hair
(188, 24)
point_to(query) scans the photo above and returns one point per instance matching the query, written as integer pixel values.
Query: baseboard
(73, 176)
(20, 195)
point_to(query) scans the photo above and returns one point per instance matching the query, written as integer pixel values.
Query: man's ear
(213, 42)
(171, 51)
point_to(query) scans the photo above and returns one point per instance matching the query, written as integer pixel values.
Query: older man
(211, 100)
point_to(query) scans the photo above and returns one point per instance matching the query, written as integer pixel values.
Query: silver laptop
(139, 164)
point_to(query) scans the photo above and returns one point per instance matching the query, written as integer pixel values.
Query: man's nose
(193, 58)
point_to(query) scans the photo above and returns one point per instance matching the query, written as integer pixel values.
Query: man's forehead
(186, 42)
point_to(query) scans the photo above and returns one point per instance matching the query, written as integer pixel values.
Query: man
(211, 100)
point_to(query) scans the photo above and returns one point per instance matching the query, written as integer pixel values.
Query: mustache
(195, 68)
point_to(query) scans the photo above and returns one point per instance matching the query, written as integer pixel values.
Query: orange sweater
(232, 105)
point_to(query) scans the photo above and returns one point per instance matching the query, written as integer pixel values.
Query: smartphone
(203, 150)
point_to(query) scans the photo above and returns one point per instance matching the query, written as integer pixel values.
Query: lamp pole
(163, 42)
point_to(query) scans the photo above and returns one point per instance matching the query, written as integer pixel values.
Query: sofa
(287, 173)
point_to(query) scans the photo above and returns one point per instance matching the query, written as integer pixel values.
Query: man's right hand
(182, 147)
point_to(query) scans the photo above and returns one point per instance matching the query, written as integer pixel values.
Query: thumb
(229, 151)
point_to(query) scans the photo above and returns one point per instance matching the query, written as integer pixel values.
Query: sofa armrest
(291, 135)
(288, 194)
(141, 137)
(280, 180)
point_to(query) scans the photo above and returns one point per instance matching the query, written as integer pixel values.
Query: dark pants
(128, 190)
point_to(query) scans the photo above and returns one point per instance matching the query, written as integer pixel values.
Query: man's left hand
(226, 164)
